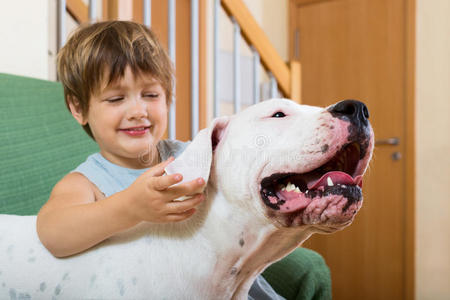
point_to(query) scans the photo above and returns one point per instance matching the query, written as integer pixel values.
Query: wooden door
(362, 49)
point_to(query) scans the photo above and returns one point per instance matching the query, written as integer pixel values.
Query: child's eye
(114, 99)
(151, 95)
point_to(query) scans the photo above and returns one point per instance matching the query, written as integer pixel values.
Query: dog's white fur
(217, 253)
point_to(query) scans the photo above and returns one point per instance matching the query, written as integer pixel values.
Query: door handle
(393, 141)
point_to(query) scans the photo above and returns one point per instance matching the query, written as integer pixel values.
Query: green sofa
(40, 142)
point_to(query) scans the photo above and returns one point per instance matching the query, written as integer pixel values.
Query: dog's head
(293, 164)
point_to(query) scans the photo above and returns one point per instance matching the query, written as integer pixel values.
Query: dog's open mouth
(289, 192)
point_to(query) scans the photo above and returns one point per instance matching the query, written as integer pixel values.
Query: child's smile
(128, 118)
(136, 131)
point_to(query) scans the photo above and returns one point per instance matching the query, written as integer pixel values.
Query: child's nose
(137, 109)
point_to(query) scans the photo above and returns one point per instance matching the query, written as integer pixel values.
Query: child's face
(128, 118)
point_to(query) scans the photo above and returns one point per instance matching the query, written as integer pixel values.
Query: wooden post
(295, 84)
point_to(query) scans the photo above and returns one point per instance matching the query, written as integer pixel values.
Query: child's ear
(75, 109)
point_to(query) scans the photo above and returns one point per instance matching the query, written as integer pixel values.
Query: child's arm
(72, 221)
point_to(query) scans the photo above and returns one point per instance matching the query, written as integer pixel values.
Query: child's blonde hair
(105, 49)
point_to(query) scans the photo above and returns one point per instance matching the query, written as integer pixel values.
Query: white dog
(278, 172)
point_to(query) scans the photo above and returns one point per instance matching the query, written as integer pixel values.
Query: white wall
(24, 37)
(28, 37)
(433, 149)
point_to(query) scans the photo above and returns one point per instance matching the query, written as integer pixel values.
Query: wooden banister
(78, 10)
(288, 77)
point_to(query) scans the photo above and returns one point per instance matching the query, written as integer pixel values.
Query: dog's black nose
(355, 111)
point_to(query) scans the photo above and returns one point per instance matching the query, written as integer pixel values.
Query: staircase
(166, 17)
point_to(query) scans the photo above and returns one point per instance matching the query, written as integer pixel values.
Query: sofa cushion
(40, 142)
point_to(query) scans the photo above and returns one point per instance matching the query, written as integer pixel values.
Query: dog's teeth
(290, 187)
(297, 190)
(329, 181)
(343, 186)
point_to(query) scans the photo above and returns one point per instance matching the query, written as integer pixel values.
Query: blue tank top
(111, 178)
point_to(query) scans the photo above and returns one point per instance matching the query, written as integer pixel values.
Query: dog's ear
(196, 159)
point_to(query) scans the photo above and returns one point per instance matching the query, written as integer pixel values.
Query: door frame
(409, 94)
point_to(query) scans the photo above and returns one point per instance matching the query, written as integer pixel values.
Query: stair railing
(283, 77)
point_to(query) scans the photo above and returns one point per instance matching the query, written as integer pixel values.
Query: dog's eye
(278, 114)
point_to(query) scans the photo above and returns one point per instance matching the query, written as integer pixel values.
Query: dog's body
(247, 222)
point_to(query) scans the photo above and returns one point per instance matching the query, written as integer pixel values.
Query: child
(117, 84)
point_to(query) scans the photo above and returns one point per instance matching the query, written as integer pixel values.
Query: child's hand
(151, 196)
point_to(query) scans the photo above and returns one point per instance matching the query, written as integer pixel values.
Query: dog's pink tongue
(293, 201)
(336, 177)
